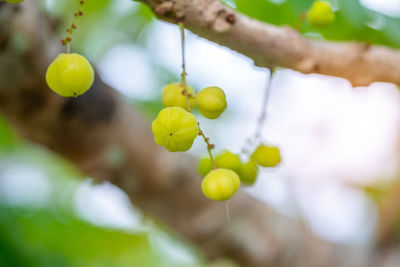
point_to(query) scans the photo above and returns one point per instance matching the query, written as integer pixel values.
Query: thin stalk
(263, 114)
(187, 94)
(68, 39)
(209, 147)
(184, 73)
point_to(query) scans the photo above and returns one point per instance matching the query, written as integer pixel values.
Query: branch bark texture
(271, 46)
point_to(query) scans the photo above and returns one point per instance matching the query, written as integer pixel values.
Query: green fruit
(320, 14)
(211, 102)
(70, 75)
(175, 129)
(205, 166)
(220, 184)
(248, 172)
(228, 160)
(172, 96)
(266, 156)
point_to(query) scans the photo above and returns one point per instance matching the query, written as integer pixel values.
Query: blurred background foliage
(38, 229)
(353, 21)
(40, 222)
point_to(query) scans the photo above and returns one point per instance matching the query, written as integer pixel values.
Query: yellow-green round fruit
(14, 1)
(228, 160)
(220, 184)
(205, 166)
(320, 14)
(175, 129)
(172, 96)
(70, 75)
(248, 172)
(266, 156)
(211, 102)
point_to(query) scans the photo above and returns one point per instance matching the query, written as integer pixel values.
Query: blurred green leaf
(41, 240)
(353, 21)
(55, 235)
(105, 24)
(8, 139)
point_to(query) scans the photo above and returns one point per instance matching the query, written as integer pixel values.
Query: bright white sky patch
(331, 206)
(127, 68)
(388, 7)
(23, 185)
(106, 205)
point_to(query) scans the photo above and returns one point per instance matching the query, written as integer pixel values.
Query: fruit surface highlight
(320, 14)
(175, 129)
(70, 75)
(266, 156)
(172, 96)
(220, 184)
(211, 102)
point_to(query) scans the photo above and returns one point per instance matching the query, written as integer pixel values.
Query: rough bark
(270, 46)
(88, 129)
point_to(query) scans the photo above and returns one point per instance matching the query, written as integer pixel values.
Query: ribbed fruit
(175, 129)
(220, 184)
(70, 75)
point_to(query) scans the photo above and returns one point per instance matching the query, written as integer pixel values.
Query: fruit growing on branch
(174, 95)
(204, 166)
(248, 172)
(70, 75)
(175, 129)
(320, 14)
(211, 102)
(266, 156)
(220, 184)
(228, 160)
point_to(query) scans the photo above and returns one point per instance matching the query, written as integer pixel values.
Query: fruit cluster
(263, 155)
(70, 75)
(175, 128)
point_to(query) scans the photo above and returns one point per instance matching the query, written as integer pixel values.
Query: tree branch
(271, 46)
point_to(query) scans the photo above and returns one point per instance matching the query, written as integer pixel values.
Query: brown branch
(271, 46)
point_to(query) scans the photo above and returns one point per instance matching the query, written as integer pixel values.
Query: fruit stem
(209, 147)
(183, 75)
(187, 101)
(263, 113)
(68, 39)
(187, 94)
